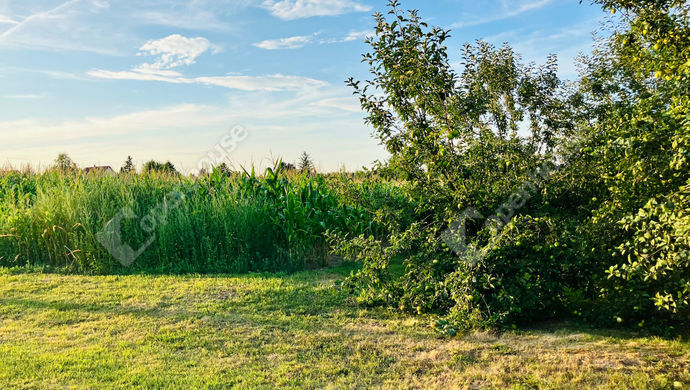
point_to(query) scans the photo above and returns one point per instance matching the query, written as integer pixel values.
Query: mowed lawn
(287, 331)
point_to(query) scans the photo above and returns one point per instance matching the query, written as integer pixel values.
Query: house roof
(105, 168)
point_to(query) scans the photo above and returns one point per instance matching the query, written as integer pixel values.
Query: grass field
(287, 331)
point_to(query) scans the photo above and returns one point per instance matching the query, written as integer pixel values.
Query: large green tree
(459, 141)
(606, 236)
(458, 136)
(636, 98)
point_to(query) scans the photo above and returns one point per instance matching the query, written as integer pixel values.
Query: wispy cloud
(358, 35)
(175, 51)
(141, 75)
(298, 9)
(203, 15)
(344, 103)
(304, 40)
(5, 20)
(83, 138)
(21, 131)
(277, 126)
(510, 8)
(274, 82)
(27, 96)
(285, 43)
(55, 74)
(351, 37)
(67, 26)
(52, 13)
(566, 42)
(103, 27)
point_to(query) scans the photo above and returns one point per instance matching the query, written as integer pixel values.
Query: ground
(288, 331)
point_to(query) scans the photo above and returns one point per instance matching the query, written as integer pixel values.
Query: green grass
(287, 331)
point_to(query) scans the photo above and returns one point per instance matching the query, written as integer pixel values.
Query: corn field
(216, 223)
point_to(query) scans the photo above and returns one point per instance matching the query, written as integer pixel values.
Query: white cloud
(285, 43)
(56, 74)
(175, 50)
(186, 133)
(172, 51)
(138, 133)
(303, 40)
(345, 103)
(4, 19)
(27, 96)
(101, 3)
(358, 35)
(352, 36)
(298, 9)
(38, 17)
(31, 130)
(103, 26)
(275, 82)
(138, 75)
(67, 26)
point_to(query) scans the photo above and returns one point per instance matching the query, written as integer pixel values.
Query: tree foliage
(64, 163)
(637, 90)
(573, 177)
(155, 166)
(305, 163)
(455, 136)
(129, 166)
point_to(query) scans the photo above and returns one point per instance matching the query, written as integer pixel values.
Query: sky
(168, 80)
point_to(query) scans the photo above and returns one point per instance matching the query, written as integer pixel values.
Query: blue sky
(166, 80)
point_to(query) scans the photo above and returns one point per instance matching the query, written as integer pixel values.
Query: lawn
(288, 331)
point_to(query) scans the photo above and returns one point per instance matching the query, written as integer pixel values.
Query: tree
(224, 169)
(168, 167)
(152, 166)
(287, 167)
(454, 142)
(636, 95)
(155, 166)
(305, 164)
(456, 136)
(64, 163)
(129, 166)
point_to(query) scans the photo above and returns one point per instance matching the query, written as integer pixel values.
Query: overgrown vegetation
(509, 198)
(567, 202)
(217, 223)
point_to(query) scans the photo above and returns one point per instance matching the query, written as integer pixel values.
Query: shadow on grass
(342, 267)
(571, 327)
(302, 299)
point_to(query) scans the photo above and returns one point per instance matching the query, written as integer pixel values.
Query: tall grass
(218, 223)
